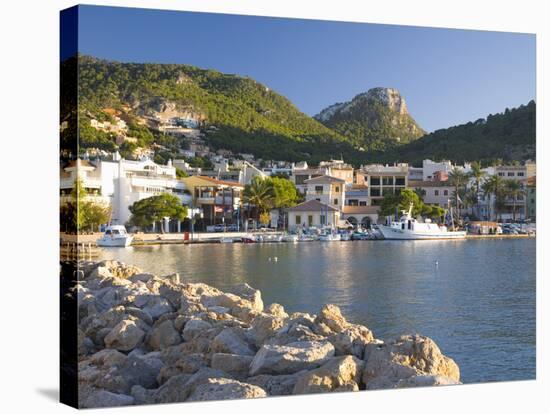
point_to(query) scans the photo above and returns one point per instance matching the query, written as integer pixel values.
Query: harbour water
(475, 298)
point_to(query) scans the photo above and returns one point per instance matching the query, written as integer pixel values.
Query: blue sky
(447, 76)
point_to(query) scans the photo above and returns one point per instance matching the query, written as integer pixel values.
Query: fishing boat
(115, 236)
(409, 228)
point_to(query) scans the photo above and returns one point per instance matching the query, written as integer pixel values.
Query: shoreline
(151, 239)
(145, 339)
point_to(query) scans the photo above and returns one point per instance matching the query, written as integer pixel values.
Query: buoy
(436, 263)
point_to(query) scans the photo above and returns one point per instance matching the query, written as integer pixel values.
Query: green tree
(401, 202)
(477, 174)
(459, 179)
(153, 209)
(96, 214)
(494, 186)
(514, 190)
(261, 194)
(286, 194)
(180, 173)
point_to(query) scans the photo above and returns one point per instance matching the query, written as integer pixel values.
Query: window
(318, 189)
(335, 201)
(323, 220)
(436, 192)
(521, 174)
(399, 180)
(375, 180)
(362, 203)
(446, 192)
(301, 178)
(298, 220)
(511, 174)
(353, 202)
(310, 220)
(375, 192)
(337, 189)
(501, 174)
(387, 181)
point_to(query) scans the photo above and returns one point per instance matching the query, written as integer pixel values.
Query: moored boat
(409, 228)
(115, 236)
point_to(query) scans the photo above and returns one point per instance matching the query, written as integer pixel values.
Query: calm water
(477, 302)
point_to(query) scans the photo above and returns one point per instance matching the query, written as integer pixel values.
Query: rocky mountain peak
(390, 97)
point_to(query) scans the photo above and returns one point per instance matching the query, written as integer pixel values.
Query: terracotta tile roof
(312, 205)
(219, 182)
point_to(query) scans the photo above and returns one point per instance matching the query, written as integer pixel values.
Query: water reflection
(476, 298)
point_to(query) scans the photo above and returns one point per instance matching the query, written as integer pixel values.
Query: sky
(446, 76)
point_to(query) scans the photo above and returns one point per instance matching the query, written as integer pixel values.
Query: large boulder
(179, 387)
(164, 335)
(405, 357)
(125, 336)
(276, 384)
(236, 365)
(265, 326)
(338, 374)
(95, 398)
(231, 341)
(290, 358)
(332, 318)
(225, 389)
(352, 340)
(426, 381)
(193, 328)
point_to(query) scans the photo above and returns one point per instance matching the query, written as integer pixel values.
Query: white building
(327, 190)
(123, 182)
(312, 213)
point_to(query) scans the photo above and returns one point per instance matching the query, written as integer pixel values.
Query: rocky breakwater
(145, 339)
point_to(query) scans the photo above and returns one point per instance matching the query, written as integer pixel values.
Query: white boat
(408, 228)
(226, 240)
(115, 236)
(290, 238)
(328, 237)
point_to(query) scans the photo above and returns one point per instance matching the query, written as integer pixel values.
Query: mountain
(374, 120)
(238, 113)
(509, 136)
(245, 116)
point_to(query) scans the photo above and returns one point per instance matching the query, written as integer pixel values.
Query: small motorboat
(115, 236)
(248, 238)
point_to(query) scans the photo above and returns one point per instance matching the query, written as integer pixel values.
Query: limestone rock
(290, 358)
(193, 328)
(405, 357)
(332, 317)
(276, 384)
(225, 389)
(231, 341)
(265, 326)
(125, 336)
(164, 335)
(338, 374)
(278, 310)
(426, 381)
(236, 365)
(352, 340)
(102, 398)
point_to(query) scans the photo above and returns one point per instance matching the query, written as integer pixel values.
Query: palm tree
(493, 186)
(458, 178)
(260, 193)
(477, 174)
(514, 189)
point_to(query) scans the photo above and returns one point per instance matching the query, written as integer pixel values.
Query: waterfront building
(121, 183)
(312, 214)
(89, 175)
(384, 179)
(327, 190)
(217, 200)
(416, 173)
(434, 193)
(361, 215)
(300, 175)
(429, 168)
(338, 169)
(531, 212)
